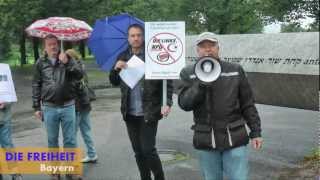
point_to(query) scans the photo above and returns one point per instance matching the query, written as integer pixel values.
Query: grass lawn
(309, 168)
(95, 75)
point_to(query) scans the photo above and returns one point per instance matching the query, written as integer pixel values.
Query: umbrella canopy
(64, 28)
(109, 38)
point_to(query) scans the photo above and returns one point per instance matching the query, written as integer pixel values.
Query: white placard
(165, 49)
(134, 71)
(7, 91)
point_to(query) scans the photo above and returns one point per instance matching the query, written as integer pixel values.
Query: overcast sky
(276, 27)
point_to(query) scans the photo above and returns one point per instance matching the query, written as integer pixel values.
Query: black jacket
(152, 92)
(82, 99)
(54, 83)
(231, 107)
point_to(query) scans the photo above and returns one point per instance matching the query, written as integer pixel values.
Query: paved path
(289, 134)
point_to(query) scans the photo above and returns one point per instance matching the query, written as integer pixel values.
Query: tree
(291, 11)
(292, 27)
(151, 10)
(221, 16)
(16, 15)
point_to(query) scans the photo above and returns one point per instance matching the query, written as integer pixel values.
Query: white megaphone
(207, 69)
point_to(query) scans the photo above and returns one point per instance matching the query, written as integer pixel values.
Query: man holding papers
(141, 104)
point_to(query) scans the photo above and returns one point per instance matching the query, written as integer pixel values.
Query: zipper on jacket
(213, 140)
(229, 136)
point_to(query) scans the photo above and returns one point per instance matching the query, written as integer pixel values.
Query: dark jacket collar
(141, 52)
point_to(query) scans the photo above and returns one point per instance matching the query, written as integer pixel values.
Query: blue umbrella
(109, 38)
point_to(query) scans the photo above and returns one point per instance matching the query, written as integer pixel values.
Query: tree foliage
(219, 16)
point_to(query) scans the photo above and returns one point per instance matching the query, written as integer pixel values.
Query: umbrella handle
(61, 46)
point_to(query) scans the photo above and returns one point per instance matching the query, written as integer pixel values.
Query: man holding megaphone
(222, 102)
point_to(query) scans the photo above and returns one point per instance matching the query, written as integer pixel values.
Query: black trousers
(143, 140)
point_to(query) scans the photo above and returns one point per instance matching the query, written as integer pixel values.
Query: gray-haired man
(222, 139)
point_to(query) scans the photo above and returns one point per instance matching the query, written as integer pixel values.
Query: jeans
(5, 128)
(53, 117)
(143, 140)
(233, 163)
(6, 134)
(83, 122)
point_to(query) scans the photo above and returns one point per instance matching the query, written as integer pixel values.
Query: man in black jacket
(141, 108)
(53, 91)
(221, 138)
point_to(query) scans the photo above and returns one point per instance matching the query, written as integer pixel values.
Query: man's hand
(257, 143)
(120, 65)
(63, 58)
(38, 115)
(165, 110)
(1, 105)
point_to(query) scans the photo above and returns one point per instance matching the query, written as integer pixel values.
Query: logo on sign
(165, 48)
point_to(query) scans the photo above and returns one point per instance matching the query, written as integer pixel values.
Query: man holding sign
(7, 96)
(141, 106)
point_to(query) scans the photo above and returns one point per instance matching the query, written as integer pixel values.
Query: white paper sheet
(7, 91)
(134, 72)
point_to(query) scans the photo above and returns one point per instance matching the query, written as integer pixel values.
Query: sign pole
(164, 92)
